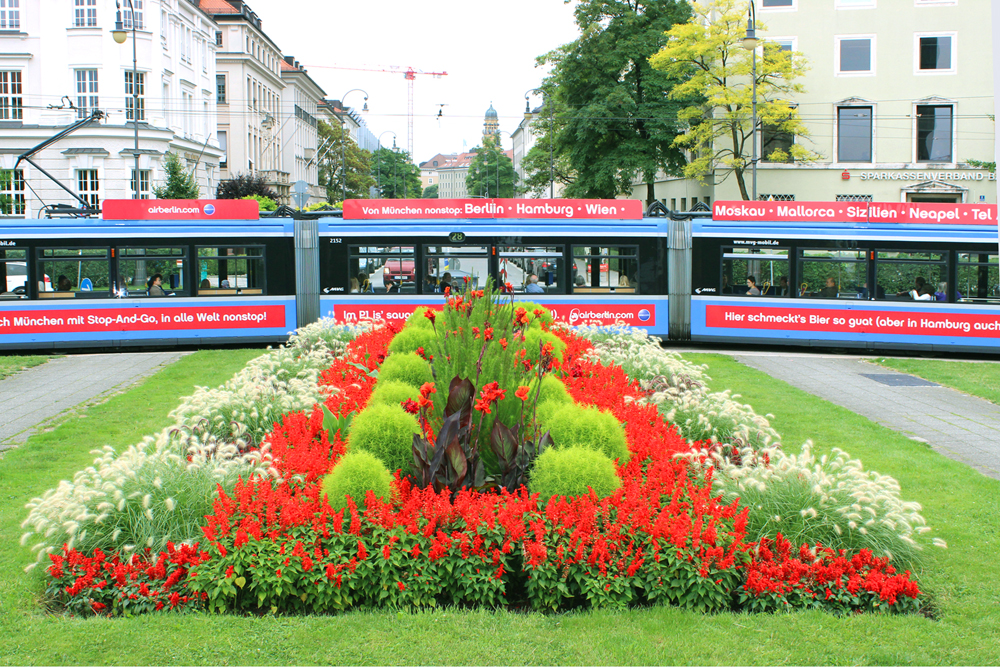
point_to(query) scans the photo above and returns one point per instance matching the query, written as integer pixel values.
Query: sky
(488, 50)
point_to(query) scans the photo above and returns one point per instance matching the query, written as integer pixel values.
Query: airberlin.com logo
(209, 209)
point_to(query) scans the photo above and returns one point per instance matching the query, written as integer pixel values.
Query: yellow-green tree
(707, 55)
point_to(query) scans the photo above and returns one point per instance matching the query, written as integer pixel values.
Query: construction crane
(410, 74)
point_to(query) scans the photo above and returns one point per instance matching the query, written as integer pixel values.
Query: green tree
(708, 52)
(342, 158)
(180, 183)
(540, 166)
(7, 205)
(431, 192)
(399, 178)
(615, 123)
(491, 172)
(244, 185)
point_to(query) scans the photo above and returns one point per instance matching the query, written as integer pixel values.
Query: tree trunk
(742, 184)
(650, 194)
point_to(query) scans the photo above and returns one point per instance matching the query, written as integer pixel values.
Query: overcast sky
(487, 48)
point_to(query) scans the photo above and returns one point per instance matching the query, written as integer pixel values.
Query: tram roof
(148, 229)
(947, 233)
(524, 227)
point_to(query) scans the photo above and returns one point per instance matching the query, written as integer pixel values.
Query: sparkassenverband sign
(926, 175)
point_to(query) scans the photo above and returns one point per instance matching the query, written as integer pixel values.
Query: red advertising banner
(460, 209)
(907, 323)
(637, 315)
(74, 320)
(180, 209)
(798, 211)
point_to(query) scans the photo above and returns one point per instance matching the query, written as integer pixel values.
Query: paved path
(33, 396)
(961, 427)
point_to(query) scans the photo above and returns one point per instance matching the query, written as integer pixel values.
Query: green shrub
(356, 474)
(408, 368)
(266, 203)
(545, 410)
(579, 426)
(419, 320)
(531, 307)
(386, 432)
(572, 471)
(411, 338)
(393, 392)
(551, 390)
(534, 338)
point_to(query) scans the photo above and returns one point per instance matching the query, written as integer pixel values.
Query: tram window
(64, 273)
(833, 274)
(605, 269)
(13, 273)
(137, 265)
(459, 264)
(382, 270)
(519, 263)
(230, 270)
(767, 266)
(903, 276)
(978, 277)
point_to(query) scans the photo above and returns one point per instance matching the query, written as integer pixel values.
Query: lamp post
(120, 35)
(750, 44)
(378, 161)
(343, 138)
(528, 115)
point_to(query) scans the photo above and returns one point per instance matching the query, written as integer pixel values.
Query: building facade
(301, 97)
(60, 66)
(898, 105)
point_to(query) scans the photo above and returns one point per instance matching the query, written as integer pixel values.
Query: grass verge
(18, 362)
(961, 504)
(980, 379)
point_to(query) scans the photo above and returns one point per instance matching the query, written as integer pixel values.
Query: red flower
(520, 316)
(489, 394)
(430, 314)
(522, 393)
(402, 586)
(488, 333)
(427, 389)
(98, 607)
(503, 343)
(410, 406)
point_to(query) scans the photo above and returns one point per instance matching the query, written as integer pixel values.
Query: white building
(59, 65)
(299, 126)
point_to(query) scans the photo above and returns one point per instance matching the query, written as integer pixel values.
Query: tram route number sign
(874, 212)
(464, 209)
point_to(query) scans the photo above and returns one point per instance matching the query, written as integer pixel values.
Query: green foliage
(546, 408)
(266, 203)
(357, 473)
(393, 392)
(578, 426)
(491, 172)
(542, 317)
(343, 164)
(431, 192)
(550, 390)
(615, 123)
(707, 54)
(180, 184)
(411, 338)
(980, 164)
(408, 368)
(398, 177)
(386, 432)
(573, 471)
(535, 339)
(243, 185)
(418, 319)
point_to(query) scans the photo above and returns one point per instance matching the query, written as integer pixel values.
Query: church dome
(491, 113)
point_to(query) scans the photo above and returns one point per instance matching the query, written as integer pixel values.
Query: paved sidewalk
(961, 427)
(33, 396)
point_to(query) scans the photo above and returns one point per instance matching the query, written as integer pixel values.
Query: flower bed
(460, 526)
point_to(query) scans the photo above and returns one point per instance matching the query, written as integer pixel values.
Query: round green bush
(545, 410)
(355, 475)
(531, 307)
(578, 426)
(551, 389)
(387, 432)
(418, 320)
(534, 339)
(572, 471)
(408, 368)
(410, 338)
(393, 392)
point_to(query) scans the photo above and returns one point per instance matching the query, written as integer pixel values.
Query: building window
(778, 4)
(84, 13)
(10, 14)
(11, 102)
(144, 191)
(854, 134)
(218, 38)
(934, 133)
(87, 186)
(223, 146)
(130, 100)
(855, 55)
(936, 53)
(220, 88)
(12, 192)
(127, 14)
(775, 144)
(86, 92)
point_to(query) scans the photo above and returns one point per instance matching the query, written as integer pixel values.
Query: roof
(217, 7)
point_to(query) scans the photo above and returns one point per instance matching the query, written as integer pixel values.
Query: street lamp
(378, 160)
(120, 35)
(343, 138)
(750, 44)
(528, 115)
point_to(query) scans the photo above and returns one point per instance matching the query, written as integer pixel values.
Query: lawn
(14, 363)
(980, 379)
(962, 505)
